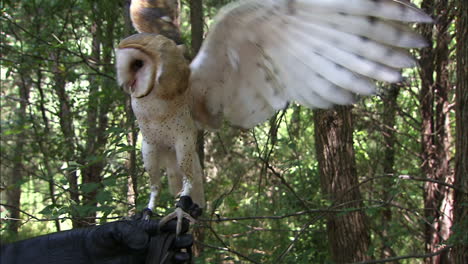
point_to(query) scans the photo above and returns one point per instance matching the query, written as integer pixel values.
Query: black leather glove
(130, 241)
(166, 248)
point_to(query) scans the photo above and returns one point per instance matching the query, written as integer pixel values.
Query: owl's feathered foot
(185, 208)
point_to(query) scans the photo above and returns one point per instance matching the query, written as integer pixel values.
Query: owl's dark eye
(136, 65)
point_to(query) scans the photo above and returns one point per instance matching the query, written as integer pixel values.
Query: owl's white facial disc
(135, 71)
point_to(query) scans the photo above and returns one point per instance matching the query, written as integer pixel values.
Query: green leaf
(89, 187)
(103, 197)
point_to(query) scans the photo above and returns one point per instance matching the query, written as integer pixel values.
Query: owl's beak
(129, 86)
(132, 85)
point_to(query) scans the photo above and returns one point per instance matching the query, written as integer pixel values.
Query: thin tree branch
(408, 177)
(49, 219)
(227, 250)
(226, 246)
(413, 256)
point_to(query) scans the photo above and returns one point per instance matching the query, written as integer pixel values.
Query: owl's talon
(180, 215)
(185, 209)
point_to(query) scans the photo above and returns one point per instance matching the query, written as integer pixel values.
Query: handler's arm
(119, 242)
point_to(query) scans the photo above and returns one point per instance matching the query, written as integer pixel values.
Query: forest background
(382, 181)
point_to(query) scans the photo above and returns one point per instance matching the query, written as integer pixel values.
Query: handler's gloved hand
(129, 241)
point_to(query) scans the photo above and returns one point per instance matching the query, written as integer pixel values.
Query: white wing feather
(261, 54)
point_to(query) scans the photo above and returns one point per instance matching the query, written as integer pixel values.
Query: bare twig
(278, 217)
(413, 256)
(296, 238)
(226, 246)
(227, 250)
(408, 177)
(284, 182)
(30, 216)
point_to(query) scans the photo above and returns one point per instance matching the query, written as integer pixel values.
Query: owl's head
(151, 62)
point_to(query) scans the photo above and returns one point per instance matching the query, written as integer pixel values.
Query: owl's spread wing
(261, 54)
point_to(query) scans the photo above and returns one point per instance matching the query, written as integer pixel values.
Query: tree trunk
(460, 252)
(436, 137)
(132, 135)
(66, 126)
(132, 138)
(92, 167)
(13, 194)
(98, 106)
(196, 22)
(348, 234)
(389, 120)
(42, 144)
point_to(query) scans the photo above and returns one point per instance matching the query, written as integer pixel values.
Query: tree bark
(460, 251)
(348, 234)
(66, 126)
(43, 145)
(132, 138)
(98, 106)
(13, 194)
(92, 167)
(196, 22)
(132, 135)
(389, 119)
(435, 131)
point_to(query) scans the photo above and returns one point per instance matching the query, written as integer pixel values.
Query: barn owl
(258, 56)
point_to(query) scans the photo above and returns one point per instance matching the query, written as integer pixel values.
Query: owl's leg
(174, 175)
(185, 156)
(152, 166)
(197, 192)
